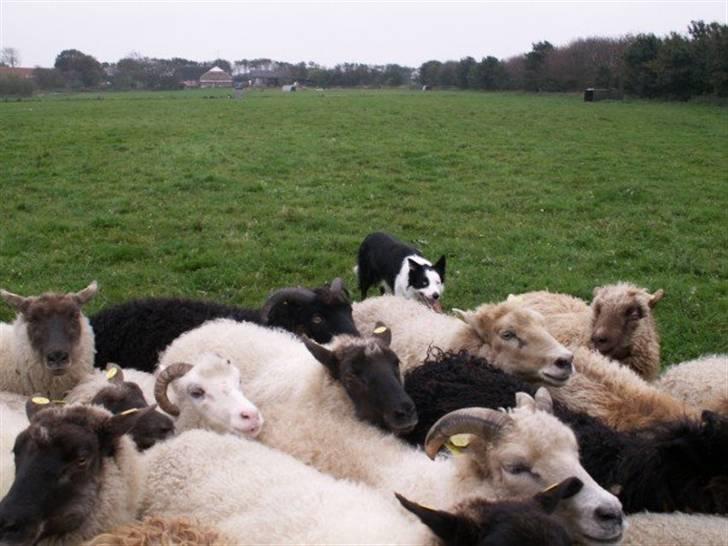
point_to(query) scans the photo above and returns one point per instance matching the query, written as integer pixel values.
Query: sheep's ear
(550, 497)
(114, 373)
(19, 303)
(85, 295)
(525, 400)
(119, 424)
(323, 355)
(443, 524)
(465, 316)
(656, 297)
(382, 334)
(543, 400)
(440, 267)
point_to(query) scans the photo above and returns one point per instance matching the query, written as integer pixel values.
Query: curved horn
(481, 422)
(169, 374)
(302, 295)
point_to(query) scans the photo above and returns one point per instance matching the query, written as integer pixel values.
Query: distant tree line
(675, 66)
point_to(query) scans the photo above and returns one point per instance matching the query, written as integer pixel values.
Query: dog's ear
(440, 268)
(413, 265)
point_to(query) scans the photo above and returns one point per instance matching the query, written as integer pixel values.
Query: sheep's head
(515, 339)
(53, 324)
(119, 396)
(59, 460)
(617, 312)
(524, 450)
(320, 314)
(479, 522)
(369, 372)
(211, 389)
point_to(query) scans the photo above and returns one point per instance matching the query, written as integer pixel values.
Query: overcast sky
(405, 32)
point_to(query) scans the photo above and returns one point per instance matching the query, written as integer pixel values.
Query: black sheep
(133, 333)
(676, 466)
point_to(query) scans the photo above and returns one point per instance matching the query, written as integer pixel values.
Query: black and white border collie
(401, 270)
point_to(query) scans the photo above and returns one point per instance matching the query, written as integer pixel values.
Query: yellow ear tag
(111, 373)
(41, 400)
(457, 443)
(58, 401)
(129, 411)
(380, 329)
(549, 488)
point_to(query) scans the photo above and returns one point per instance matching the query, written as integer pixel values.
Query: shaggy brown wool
(157, 531)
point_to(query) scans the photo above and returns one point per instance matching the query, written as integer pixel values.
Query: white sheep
(249, 492)
(206, 393)
(12, 422)
(49, 347)
(619, 323)
(701, 382)
(310, 417)
(509, 336)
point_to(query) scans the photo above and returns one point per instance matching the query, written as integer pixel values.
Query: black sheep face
(479, 522)
(58, 469)
(368, 370)
(328, 314)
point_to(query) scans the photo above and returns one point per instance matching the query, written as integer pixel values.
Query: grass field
(175, 193)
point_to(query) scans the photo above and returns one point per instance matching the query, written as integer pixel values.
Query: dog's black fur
(680, 465)
(381, 257)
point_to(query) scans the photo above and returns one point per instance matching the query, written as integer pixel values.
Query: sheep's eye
(518, 468)
(508, 334)
(633, 313)
(317, 319)
(81, 461)
(197, 392)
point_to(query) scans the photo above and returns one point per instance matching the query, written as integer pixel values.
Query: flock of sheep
(541, 419)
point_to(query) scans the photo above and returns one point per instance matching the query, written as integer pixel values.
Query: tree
(534, 64)
(79, 69)
(639, 59)
(48, 78)
(430, 73)
(9, 56)
(462, 72)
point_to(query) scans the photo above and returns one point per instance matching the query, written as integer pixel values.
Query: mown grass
(175, 193)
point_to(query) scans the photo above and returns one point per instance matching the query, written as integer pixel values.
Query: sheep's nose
(435, 296)
(564, 363)
(600, 340)
(405, 410)
(57, 358)
(249, 415)
(607, 515)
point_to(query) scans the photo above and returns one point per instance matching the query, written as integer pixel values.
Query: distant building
(22, 73)
(216, 77)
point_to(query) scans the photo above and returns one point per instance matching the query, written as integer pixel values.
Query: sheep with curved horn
(319, 313)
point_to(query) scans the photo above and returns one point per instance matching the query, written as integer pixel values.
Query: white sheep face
(213, 390)
(550, 455)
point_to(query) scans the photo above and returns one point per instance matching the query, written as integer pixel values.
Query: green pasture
(182, 194)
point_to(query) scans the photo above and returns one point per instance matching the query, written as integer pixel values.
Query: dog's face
(426, 282)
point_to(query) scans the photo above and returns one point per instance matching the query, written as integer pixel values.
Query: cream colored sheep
(617, 395)
(619, 323)
(506, 334)
(157, 531)
(702, 382)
